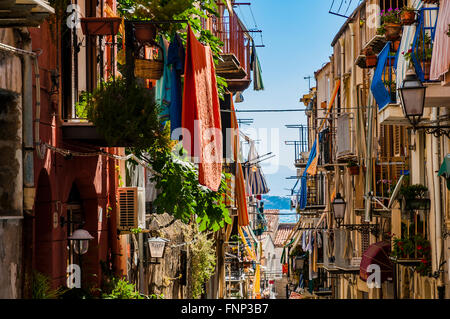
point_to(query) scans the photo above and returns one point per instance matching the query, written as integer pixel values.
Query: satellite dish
(396, 191)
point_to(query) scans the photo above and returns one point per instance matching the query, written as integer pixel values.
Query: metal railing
(423, 42)
(236, 39)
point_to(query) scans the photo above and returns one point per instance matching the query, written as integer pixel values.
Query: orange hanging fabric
(201, 112)
(241, 198)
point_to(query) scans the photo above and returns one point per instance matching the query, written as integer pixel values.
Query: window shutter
(344, 137)
(127, 214)
(397, 141)
(381, 139)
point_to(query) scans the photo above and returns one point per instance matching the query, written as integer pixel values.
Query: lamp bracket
(363, 228)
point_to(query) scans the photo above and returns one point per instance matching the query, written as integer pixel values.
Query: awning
(254, 177)
(445, 170)
(377, 254)
(247, 244)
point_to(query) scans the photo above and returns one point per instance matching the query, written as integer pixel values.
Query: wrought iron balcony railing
(422, 47)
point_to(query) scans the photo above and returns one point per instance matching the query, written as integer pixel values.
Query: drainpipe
(437, 196)
(369, 159)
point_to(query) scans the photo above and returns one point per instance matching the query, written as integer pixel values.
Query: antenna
(309, 77)
(342, 7)
(396, 191)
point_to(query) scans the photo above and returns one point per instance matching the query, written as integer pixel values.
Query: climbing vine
(181, 195)
(202, 260)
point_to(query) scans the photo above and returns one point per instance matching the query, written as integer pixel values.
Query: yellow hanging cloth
(256, 284)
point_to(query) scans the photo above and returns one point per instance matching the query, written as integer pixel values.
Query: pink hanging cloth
(201, 113)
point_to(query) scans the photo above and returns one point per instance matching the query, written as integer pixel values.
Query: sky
(297, 35)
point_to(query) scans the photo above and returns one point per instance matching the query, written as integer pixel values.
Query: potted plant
(353, 167)
(392, 87)
(407, 56)
(371, 58)
(414, 248)
(408, 15)
(381, 30)
(126, 114)
(414, 197)
(392, 23)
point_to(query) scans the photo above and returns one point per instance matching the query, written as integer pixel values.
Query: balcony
(345, 144)
(24, 13)
(315, 199)
(422, 47)
(326, 149)
(344, 259)
(236, 52)
(301, 149)
(388, 171)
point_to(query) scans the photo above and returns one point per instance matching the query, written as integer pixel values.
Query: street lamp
(339, 206)
(80, 240)
(412, 97)
(157, 247)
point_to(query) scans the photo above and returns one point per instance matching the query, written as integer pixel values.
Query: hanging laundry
(175, 60)
(162, 89)
(258, 84)
(241, 198)
(201, 112)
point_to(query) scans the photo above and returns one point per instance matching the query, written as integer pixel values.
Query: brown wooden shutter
(397, 141)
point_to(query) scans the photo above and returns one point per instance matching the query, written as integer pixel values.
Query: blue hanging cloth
(175, 60)
(379, 91)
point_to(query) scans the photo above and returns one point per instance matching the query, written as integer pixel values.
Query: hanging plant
(126, 114)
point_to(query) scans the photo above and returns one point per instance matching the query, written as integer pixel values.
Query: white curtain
(407, 39)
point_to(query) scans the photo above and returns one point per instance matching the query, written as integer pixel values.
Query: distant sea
(283, 204)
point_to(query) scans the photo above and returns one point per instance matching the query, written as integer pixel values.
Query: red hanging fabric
(201, 113)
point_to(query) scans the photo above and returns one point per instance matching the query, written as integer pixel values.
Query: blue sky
(297, 35)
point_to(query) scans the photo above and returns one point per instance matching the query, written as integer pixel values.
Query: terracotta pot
(396, 45)
(353, 170)
(393, 31)
(144, 32)
(426, 66)
(100, 26)
(408, 17)
(371, 61)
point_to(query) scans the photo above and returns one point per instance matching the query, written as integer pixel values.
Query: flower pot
(144, 32)
(396, 45)
(408, 17)
(417, 204)
(426, 66)
(393, 31)
(371, 61)
(100, 26)
(353, 170)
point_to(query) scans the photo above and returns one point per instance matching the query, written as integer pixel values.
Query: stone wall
(11, 192)
(164, 278)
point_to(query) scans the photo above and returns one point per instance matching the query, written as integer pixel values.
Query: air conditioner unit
(130, 208)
